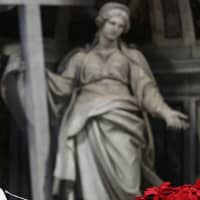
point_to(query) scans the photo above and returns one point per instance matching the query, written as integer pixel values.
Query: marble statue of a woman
(105, 146)
(103, 132)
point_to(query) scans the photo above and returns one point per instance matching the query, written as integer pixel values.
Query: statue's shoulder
(132, 52)
(136, 56)
(76, 55)
(133, 49)
(77, 52)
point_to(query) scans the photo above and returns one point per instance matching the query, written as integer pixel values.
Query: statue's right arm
(61, 86)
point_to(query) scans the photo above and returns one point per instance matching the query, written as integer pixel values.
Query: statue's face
(113, 28)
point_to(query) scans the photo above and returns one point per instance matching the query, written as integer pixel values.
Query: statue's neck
(106, 44)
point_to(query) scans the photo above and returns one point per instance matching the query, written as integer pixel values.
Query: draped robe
(104, 138)
(103, 131)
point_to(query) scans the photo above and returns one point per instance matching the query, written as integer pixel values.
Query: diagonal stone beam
(47, 2)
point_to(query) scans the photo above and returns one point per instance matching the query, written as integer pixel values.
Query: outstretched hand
(176, 120)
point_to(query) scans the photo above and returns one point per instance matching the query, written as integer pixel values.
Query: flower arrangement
(167, 192)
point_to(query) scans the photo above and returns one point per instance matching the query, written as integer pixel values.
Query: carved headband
(112, 9)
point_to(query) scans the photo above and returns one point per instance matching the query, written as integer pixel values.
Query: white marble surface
(2, 195)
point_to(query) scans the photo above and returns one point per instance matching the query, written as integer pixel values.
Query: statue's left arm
(149, 97)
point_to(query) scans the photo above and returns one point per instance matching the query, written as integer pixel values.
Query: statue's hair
(112, 9)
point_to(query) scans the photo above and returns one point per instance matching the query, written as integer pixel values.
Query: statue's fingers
(183, 116)
(175, 124)
(180, 124)
(186, 125)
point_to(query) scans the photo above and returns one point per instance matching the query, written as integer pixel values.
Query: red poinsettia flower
(167, 192)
